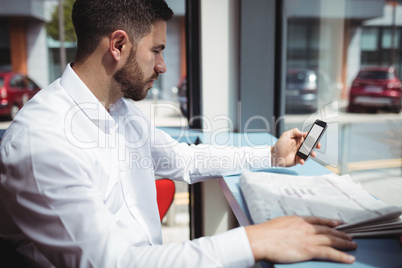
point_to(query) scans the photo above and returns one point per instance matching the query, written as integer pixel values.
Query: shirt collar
(86, 100)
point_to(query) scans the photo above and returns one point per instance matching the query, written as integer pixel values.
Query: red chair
(165, 190)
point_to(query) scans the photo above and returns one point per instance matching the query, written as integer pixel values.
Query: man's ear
(118, 44)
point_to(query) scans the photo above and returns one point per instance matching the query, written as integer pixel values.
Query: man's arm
(197, 163)
(204, 161)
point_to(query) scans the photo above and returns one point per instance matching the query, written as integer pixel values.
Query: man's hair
(95, 19)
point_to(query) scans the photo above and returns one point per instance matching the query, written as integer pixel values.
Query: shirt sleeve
(228, 249)
(194, 163)
(48, 189)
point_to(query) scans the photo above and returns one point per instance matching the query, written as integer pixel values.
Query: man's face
(144, 65)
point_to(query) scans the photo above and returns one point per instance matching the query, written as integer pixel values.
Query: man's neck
(99, 81)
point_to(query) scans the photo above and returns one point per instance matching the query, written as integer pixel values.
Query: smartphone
(313, 137)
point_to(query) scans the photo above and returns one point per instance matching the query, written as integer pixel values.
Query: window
(369, 39)
(390, 36)
(377, 48)
(17, 81)
(328, 43)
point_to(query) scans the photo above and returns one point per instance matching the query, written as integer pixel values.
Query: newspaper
(271, 195)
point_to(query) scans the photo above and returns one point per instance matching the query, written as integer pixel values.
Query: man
(75, 188)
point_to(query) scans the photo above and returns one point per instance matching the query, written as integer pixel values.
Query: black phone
(313, 137)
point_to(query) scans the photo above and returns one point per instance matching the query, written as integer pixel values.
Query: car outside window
(296, 77)
(376, 75)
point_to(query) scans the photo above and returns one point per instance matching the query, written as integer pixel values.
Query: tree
(52, 26)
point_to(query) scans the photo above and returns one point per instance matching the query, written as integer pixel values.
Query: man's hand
(294, 239)
(283, 153)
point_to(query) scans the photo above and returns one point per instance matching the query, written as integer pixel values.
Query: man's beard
(131, 79)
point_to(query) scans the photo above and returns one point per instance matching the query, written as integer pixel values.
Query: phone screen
(311, 139)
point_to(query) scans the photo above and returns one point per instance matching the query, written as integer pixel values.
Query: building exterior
(23, 45)
(381, 42)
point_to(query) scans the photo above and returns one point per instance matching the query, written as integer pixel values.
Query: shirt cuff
(234, 248)
(260, 157)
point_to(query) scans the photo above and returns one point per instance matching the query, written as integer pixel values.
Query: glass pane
(340, 61)
(17, 81)
(390, 36)
(369, 39)
(296, 37)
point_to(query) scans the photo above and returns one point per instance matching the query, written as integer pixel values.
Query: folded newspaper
(271, 195)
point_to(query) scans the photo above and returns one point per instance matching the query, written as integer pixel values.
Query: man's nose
(160, 67)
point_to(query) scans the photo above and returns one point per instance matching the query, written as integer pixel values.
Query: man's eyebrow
(159, 47)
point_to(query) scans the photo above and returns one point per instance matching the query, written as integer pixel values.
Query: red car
(15, 90)
(376, 88)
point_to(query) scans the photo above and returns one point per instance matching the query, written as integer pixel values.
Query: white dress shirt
(77, 185)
